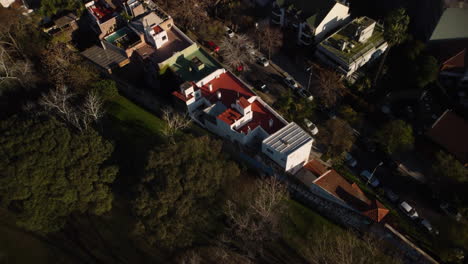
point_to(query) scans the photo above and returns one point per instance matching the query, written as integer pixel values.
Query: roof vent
(270, 122)
(210, 87)
(218, 94)
(343, 44)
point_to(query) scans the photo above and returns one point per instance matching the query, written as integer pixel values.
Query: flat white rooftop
(287, 139)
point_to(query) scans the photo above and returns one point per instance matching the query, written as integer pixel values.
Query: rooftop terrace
(123, 38)
(354, 48)
(183, 66)
(103, 10)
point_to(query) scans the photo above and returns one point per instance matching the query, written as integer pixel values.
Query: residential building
(450, 132)
(106, 59)
(330, 185)
(451, 25)
(455, 69)
(312, 20)
(62, 27)
(104, 15)
(354, 45)
(6, 3)
(124, 41)
(223, 104)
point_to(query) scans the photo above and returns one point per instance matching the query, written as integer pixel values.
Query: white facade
(156, 36)
(6, 3)
(307, 34)
(342, 54)
(338, 16)
(289, 147)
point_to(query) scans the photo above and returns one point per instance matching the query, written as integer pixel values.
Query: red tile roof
(457, 61)
(230, 116)
(316, 167)
(231, 90)
(157, 29)
(181, 96)
(261, 117)
(451, 132)
(352, 195)
(243, 102)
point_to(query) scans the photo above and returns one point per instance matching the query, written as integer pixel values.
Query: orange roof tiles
(315, 167)
(451, 132)
(261, 117)
(157, 29)
(243, 102)
(230, 116)
(352, 195)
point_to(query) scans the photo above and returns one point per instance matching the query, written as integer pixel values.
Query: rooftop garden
(354, 48)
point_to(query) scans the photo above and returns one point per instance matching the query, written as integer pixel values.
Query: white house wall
(210, 77)
(298, 158)
(338, 16)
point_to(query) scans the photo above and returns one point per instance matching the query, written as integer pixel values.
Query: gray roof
(146, 20)
(288, 139)
(65, 20)
(312, 11)
(106, 58)
(452, 25)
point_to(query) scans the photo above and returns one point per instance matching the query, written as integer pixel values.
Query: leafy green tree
(107, 89)
(396, 26)
(396, 136)
(447, 167)
(294, 109)
(212, 30)
(337, 136)
(348, 114)
(49, 172)
(426, 70)
(179, 189)
(53, 7)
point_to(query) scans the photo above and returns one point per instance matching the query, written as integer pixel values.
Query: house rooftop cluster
(355, 39)
(123, 38)
(349, 193)
(103, 10)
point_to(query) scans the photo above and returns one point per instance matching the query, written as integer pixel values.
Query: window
(247, 113)
(164, 37)
(269, 151)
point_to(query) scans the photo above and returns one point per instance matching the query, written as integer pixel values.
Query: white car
(229, 32)
(311, 127)
(290, 82)
(409, 210)
(263, 61)
(352, 162)
(374, 182)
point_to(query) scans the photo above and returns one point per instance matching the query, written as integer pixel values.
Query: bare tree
(175, 122)
(270, 39)
(330, 87)
(93, 105)
(14, 69)
(251, 224)
(237, 51)
(58, 99)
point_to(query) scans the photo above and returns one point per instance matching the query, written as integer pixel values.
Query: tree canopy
(337, 135)
(396, 26)
(446, 166)
(181, 182)
(396, 136)
(53, 7)
(49, 172)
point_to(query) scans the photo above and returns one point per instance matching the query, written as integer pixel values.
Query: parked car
(352, 162)
(212, 46)
(427, 225)
(451, 211)
(311, 127)
(305, 94)
(261, 86)
(374, 182)
(409, 210)
(263, 61)
(229, 32)
(240, 68)
(393, 197)
(290, 82)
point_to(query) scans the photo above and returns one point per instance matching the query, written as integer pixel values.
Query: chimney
(210, 87)
(219, 95)
(270, 122)
(343, 45)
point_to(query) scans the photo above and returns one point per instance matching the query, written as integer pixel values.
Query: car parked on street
(263, 61)
(311, 127)
(290, 82)
(350, 160)
(393, 197)
(212, 46)
(427, 225)
(305, 94)
(409, 210)
(229, 32)
(373, 181)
